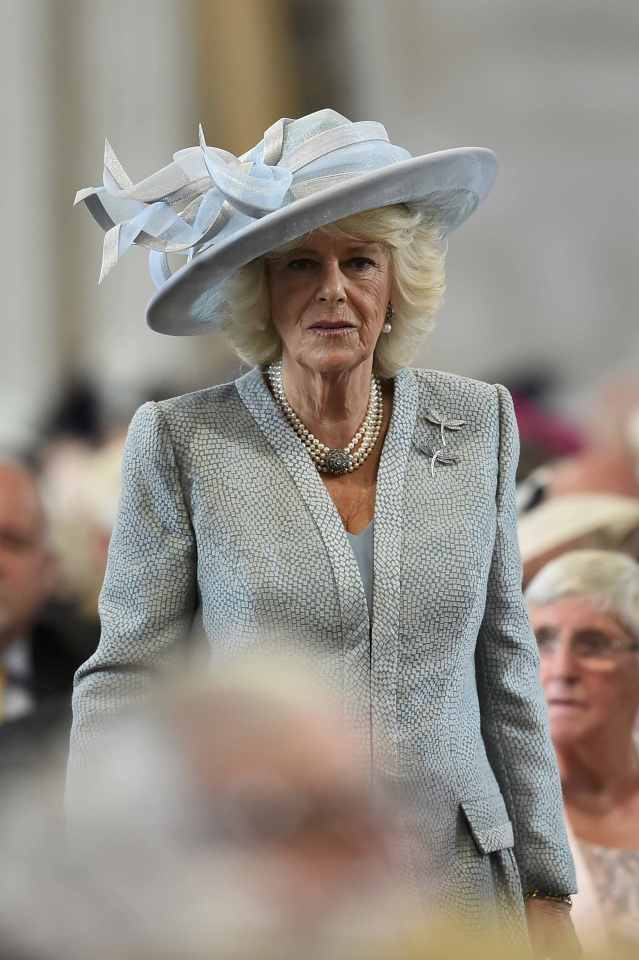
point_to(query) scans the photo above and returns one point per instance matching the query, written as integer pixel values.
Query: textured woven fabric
(223, 509)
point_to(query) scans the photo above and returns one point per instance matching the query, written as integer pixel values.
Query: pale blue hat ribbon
(207, 193)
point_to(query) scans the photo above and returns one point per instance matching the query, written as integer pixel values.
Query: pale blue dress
(362, 547)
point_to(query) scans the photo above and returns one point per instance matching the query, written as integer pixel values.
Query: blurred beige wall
(142, 74)
(30, 371)
(247, 72)
(545, 274)
(81, 70)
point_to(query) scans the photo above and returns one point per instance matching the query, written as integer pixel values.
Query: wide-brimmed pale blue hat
(223, 211)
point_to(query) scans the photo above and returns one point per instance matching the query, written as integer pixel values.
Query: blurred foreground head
(230, 821)
(269, 773)
(232, 818)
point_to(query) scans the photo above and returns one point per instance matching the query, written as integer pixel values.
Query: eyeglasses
(593, 648)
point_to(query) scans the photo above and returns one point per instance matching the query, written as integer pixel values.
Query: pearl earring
(390, 313)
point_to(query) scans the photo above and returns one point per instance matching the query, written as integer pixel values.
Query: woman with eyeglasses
(584, 608)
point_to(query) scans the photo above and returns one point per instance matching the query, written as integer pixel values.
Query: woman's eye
(544, 637)
(593, 643)
(361, 263)
(301, 263)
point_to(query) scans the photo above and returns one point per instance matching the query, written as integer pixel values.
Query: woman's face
(589, 671)
(328, 301)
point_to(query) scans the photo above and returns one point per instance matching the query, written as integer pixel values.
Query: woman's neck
(332, 405)
(601, 770)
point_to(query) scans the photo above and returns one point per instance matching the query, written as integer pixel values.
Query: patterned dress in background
(615, 875)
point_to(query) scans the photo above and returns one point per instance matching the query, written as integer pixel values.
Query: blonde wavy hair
(417, 254)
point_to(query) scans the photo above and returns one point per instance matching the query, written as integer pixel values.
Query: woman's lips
(332, 329)
(560, 705)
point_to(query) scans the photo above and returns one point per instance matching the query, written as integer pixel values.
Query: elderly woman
(334, 497)
(584, 608)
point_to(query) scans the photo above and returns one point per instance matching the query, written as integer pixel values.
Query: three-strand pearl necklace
(335, 460)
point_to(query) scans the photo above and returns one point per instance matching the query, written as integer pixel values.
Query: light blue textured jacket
(223, 510)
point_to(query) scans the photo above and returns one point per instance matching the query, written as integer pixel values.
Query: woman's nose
(331, 286)
(562, 662)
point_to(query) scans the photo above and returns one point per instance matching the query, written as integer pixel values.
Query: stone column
(30, 367)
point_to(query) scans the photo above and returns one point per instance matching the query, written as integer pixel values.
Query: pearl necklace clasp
(333, 460)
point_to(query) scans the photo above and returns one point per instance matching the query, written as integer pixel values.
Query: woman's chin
(333, 356)
(568, 731)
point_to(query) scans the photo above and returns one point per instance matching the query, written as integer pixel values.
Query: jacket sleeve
(150, 589)
(514, 716)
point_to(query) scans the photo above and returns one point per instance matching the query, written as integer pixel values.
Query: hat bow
(207, 192)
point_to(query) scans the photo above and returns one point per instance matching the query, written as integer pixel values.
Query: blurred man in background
(36, 660)
(26, 582)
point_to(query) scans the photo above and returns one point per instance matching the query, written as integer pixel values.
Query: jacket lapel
(356, 628)
(388, 547)
(270, 421)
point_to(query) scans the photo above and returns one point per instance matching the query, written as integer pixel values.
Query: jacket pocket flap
(489, 822)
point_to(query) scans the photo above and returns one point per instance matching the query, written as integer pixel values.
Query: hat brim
(450, 184)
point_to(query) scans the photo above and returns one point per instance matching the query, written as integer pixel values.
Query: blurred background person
(544, 435)
(38, 653)
(27, 572)
(601, 521)
(81, 487)
(584, 608)
(605, 460)
(609, 463)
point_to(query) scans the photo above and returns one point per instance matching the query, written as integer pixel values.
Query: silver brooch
(440, 421)
(437, 455)
(441, 454)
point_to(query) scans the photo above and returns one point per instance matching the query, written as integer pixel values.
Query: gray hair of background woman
(609, 579)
